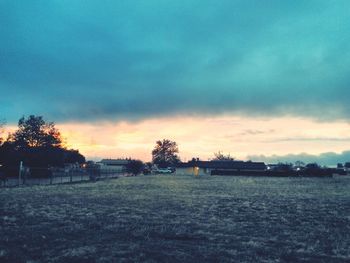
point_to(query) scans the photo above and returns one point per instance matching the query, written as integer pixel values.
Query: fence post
(24, 175)
(20, 173)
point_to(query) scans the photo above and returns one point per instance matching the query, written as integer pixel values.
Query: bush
(134, 167)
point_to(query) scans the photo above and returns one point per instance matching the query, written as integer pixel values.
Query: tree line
(36, 143)
(39, 144)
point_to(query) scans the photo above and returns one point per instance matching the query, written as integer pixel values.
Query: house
(113, 165)
(200, 168)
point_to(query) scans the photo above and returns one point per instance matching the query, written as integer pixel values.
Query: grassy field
(178, 219)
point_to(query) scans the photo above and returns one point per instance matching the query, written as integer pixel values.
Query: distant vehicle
(163, 171)
(172, 169)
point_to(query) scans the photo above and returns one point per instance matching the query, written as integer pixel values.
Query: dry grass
(178, 219)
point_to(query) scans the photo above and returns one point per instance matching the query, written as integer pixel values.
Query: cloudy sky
(254, 78)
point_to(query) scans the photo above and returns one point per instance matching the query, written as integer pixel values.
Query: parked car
(172, 169)
(163, 171)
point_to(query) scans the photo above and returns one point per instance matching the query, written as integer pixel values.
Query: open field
(178, 219)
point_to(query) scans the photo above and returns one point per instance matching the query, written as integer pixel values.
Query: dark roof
(224, 165)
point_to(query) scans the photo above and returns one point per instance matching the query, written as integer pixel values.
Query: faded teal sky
(87, 62)
(93, 60)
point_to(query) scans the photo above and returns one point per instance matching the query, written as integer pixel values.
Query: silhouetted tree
(134, 167)
(299, 164)
(165, 152)
(2, 125)
(312, 166)
(219, 156)
(35, 132)
(73, 156)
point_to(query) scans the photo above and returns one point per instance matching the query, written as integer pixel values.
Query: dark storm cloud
(329, 158)
(309, 139)
(89, 60)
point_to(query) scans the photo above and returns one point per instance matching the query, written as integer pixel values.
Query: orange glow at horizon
(202, 136)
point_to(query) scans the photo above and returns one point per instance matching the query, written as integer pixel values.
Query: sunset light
(242, 137)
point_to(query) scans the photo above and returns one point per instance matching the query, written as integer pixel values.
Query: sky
(257, 79)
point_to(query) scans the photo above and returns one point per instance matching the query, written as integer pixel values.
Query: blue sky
(93, 61)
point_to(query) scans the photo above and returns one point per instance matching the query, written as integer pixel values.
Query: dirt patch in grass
(178, 219)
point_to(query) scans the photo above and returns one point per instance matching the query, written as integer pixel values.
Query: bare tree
(219, 156)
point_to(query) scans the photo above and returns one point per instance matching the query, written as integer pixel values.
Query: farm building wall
(193, 171)
(115, 168)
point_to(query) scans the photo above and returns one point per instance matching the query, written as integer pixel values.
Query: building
(200, 168)
(113, 165)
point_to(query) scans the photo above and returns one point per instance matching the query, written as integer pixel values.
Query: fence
(50, 176)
